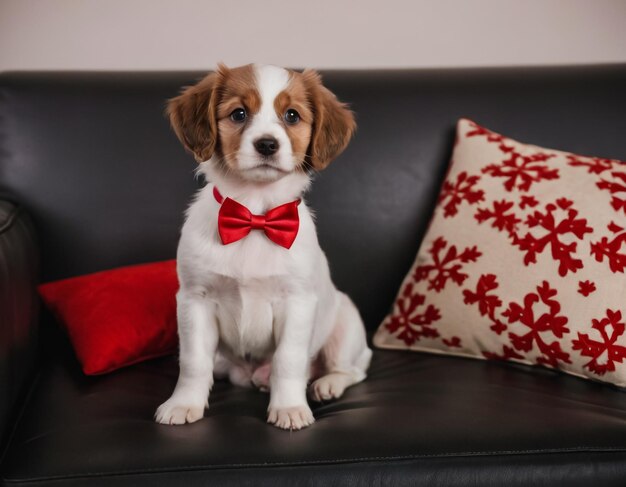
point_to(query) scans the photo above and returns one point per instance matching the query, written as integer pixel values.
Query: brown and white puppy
(252, 310)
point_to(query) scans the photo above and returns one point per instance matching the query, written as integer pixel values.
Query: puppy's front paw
(175, 411)
(293, 418)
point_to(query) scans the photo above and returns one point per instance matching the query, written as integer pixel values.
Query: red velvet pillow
(117, 317)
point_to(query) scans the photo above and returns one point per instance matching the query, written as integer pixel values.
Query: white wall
(195, 34)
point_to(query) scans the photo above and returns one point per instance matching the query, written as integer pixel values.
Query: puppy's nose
(266, 146)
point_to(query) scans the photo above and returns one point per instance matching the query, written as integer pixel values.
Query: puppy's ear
(333, 122)
(192, 115)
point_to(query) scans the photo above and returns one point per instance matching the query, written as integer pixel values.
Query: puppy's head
(260, 123)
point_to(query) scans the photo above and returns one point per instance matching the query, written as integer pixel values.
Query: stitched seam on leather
(227, 466)
(6, 226)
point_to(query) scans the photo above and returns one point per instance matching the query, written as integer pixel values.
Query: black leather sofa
(91, 177)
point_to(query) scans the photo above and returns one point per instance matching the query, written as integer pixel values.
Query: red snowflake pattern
(612, 249)
(487, 303)
(586, 288)
(502, 220)
(594, 165)
(408, 321)
(539, 324)
(605, 353)
(617, 186)
(528, 201)
(445, 266)
(554, 229)
(454, 193)
(478, 131)
(507, 354)
(522, 171)
(452, 342)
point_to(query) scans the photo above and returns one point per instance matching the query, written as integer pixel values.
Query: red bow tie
(235, 221)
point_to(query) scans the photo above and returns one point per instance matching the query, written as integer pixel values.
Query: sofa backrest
(93, 159)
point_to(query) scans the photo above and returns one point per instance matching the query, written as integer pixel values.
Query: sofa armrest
(19, 308)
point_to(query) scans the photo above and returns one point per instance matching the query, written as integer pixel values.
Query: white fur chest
(247, 280)
(246, 313)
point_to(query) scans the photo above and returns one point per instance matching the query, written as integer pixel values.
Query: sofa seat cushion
(417, 420)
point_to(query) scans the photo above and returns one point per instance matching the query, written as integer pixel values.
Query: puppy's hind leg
(261, 377)
(238, 374)
(345, 355)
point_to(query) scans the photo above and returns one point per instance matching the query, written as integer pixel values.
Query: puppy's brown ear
(192, 115)
(333, 122)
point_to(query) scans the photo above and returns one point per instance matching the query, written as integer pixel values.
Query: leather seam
(228, 466)
(6, 226)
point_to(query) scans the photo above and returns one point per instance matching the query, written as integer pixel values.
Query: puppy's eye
(238, 115)
(291, 116)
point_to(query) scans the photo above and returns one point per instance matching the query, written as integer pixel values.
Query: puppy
(256, 302)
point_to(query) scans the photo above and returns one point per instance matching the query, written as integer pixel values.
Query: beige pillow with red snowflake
(524, 260)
